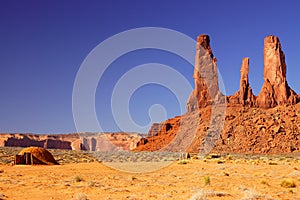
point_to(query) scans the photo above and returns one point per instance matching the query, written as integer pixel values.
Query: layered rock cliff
(75, 141)
(267, 123)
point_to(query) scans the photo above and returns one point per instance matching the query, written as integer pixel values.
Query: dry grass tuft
(80, 196)
(91, 184)
(264, 182)
(183, 162)
(288, 183)
(77, 179)
(273, 163)
(2, 196)
(206, 180)
(203, 194)
(253, 195)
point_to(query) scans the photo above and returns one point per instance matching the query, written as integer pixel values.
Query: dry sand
(231, 179)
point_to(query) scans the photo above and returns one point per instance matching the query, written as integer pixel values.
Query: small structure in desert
(35, 156)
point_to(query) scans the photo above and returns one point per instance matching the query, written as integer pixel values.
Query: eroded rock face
(248, 128)
(205, 76)
(244, 96)
(159, 135)
(255, 130)
(275, 90)
(80, 141)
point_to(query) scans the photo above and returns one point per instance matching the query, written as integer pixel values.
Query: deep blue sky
(43, 43)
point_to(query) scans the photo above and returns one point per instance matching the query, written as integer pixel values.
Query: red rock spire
(275, 90)
(205, 76)
(244, 96)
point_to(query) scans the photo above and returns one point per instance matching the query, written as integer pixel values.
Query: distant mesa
(73, 141)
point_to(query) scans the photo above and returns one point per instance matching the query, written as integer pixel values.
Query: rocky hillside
(74, 141)
(241, 123)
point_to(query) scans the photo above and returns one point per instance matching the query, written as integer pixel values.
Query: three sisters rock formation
(275, 90)
(266, 123)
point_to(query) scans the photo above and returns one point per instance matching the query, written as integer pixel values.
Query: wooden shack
(34, 156)
(27, 159)
(24, 159)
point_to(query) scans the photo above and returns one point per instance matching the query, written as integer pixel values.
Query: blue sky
(43, 43)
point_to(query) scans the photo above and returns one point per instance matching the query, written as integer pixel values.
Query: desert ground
(79, 176)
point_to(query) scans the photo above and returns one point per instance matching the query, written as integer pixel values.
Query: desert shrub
(220, 161)
(77, 179)
(264, 182)
(229, 157)
(251, 195)
(273, 163)
(225, 173)
(206, 180)
(2, 196)
(200, 195)
(80, 196)
(288, 183)
(183, 162)
(91, 183)
(203, 194)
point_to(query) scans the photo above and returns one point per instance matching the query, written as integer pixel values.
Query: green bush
(206, 180)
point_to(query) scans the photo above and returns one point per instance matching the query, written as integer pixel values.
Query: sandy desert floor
(227, 178)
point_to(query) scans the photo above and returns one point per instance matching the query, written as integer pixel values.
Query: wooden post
(27, 158)
(31, 159)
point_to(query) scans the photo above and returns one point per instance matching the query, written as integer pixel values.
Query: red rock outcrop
(255, 130)
(275, 90)
(244, 96)
(205, 76)
(159, 135)
(249, 127)
(246, 130)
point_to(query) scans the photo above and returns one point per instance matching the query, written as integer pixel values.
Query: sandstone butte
(240, 123)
